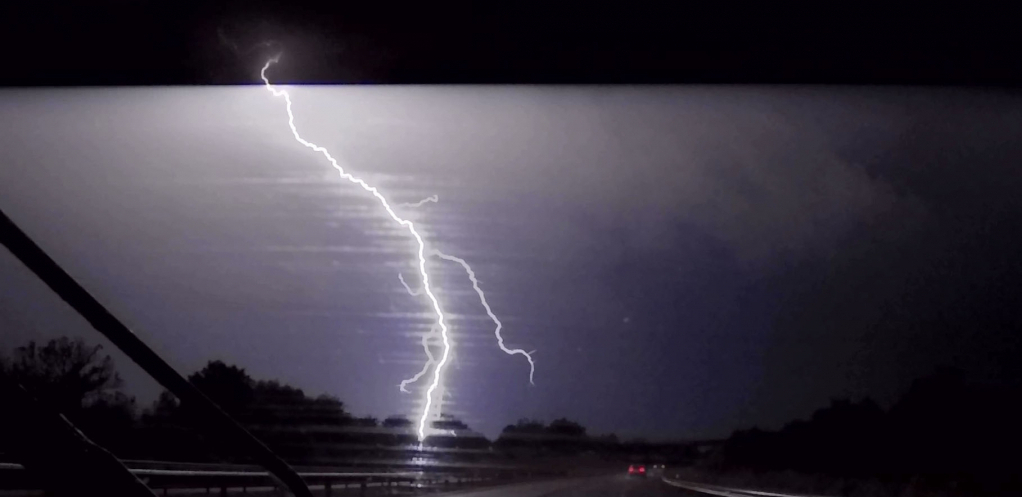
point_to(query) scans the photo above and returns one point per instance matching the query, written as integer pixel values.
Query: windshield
(798, 290)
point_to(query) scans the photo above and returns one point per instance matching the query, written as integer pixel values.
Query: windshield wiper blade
(209, 415)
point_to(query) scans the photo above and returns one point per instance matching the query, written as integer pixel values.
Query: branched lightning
(408, 225)
(425, 367)
(489, 312)
(413, 293)
(431, 198)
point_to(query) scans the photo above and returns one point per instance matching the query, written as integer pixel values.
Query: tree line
(944, 430)
(80, 381)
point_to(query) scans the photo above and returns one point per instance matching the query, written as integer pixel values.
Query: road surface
(608, 486)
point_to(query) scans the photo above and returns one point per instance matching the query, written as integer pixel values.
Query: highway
(615, 486)
(607, 486)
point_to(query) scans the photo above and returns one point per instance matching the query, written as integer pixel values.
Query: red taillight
(642, 469)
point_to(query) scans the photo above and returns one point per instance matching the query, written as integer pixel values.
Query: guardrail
(224, 478)
(720, 491)
(343, 465)
(167, 480)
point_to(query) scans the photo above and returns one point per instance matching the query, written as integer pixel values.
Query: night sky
(685, 259)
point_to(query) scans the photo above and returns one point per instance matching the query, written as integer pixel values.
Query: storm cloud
(713, 257)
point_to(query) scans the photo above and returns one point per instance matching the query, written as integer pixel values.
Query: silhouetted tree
(274, 403)
(562, 435)
(455, 433)
(397, 422)
(367, 421)
(943, 429)
(265, 403)
(80, 381)
(607, 442)
(525, 425)
(448, 422)
(227, 385)
(109, 420)
(164, 408)
(67, 373)
(566, 427)
(327, 410)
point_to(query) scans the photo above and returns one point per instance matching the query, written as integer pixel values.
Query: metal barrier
(223, 478)
(165, 480)
(706, 488)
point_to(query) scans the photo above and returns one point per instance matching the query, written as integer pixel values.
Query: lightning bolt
(489, 312)
(431, 198)
(425, 367)
(413, 293)
(408, 225)
(430, 360)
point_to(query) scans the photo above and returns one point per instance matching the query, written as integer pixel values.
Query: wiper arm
(61, 458)
(211, 417)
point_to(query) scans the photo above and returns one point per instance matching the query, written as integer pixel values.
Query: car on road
(636, 470)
